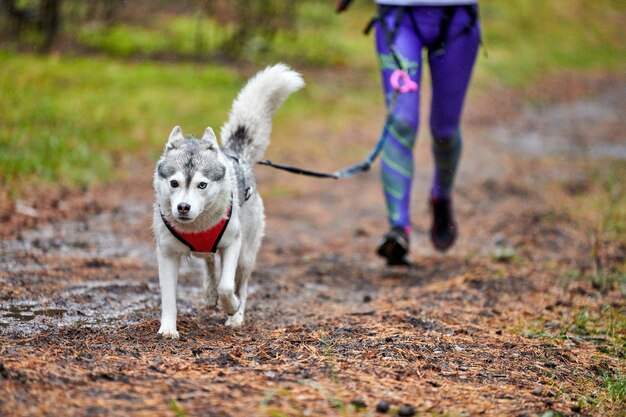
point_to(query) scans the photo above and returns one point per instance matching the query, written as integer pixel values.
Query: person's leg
(450, 73)
(400, 131)
(397, 154)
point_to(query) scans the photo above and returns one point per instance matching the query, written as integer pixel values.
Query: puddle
(100, 304)
(25, 312)
(29, 312)
(74, 272)
(99, 236)
(94, 304)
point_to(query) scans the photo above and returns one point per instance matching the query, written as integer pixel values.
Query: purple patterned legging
(421, 27)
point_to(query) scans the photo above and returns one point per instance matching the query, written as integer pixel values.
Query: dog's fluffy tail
(247, 131)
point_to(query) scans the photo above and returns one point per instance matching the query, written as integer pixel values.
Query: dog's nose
(183, 208)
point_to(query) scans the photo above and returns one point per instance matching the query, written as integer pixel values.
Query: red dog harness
(205, 241)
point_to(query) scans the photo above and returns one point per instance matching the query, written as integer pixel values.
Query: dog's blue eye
(202, 185)
(174, 183)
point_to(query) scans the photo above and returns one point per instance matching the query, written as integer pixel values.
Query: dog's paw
(210, 298)
(229, 303)
(168, 333)
(236, 320)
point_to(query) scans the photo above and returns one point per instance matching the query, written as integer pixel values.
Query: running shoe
(395, 247)
(443, 230)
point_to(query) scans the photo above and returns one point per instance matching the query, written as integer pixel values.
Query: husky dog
(206, 200)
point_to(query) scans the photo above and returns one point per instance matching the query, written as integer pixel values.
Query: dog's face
(189, 175)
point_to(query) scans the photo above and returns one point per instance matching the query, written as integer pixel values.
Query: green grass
(616, 387)
(527, 39)
(612, 203)
(602, 211)
(609, 393)
(605, 326)
(74, 120)
(178, 412)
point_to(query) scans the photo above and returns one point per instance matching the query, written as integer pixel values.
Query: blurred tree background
(91, 85)
(195, 30)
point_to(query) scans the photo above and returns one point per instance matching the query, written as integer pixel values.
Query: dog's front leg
(226, 288)
(210, 281)
(243, 273)
(168, 277)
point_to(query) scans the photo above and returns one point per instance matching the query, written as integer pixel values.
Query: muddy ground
(525, 316)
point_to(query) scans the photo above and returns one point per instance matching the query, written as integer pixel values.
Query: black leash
(351, 170)
(296, 170)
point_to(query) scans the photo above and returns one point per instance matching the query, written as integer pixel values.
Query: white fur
(255, 105)
(239, 245)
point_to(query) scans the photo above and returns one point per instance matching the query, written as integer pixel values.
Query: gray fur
(246, 182)
(164, 170)
(189, 156)
(239, 140)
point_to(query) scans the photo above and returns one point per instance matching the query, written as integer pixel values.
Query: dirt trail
(489, 328)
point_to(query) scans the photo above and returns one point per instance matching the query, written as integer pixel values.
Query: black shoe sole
(443, 245)
(394, 252)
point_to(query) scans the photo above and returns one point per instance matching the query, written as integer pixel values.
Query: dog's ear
(209, 136)
(176, 138)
